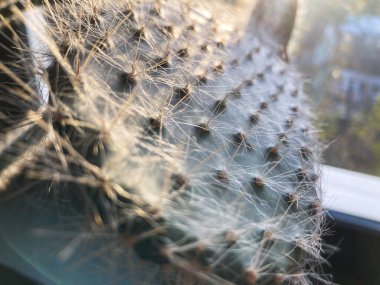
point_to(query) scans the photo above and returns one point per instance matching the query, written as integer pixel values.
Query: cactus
(175, 145)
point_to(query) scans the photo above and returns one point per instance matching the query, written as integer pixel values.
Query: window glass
(337, 47)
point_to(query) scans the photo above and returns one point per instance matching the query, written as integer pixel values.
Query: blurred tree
(338, 47)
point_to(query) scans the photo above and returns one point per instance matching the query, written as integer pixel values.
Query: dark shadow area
(357, 260)
(15, 271)
(9, 276)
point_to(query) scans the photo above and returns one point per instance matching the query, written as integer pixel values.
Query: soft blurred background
(336, 46)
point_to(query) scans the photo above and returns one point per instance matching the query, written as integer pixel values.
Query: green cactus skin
(173, 150)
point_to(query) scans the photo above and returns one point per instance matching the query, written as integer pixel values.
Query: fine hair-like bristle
(171, 146)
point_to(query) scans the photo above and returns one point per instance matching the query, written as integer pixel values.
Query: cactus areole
(173, 148)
